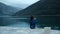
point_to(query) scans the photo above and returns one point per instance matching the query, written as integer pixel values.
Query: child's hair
(32, 17)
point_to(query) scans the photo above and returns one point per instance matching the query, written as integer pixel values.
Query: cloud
(17, 2)
(20, 1)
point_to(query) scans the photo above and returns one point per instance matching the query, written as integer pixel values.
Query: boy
(33, 23)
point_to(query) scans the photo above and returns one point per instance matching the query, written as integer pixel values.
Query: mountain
(6, 13)
(44, 7)
(47, 12)
(7, 10)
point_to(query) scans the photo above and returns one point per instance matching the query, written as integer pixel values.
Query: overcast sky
(19, 3)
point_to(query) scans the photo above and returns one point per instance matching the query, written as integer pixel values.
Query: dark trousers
(32, 25)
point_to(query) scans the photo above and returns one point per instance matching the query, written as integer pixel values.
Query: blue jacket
(34, 21)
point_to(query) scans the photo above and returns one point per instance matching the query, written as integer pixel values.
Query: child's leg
(32, 26)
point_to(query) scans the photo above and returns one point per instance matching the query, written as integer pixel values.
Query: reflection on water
(6, 21)
(20, 24)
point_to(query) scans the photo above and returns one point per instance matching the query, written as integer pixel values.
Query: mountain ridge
(43, 7)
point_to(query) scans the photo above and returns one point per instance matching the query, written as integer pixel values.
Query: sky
(19, 3)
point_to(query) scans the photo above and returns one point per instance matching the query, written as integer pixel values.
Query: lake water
(24, 22)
